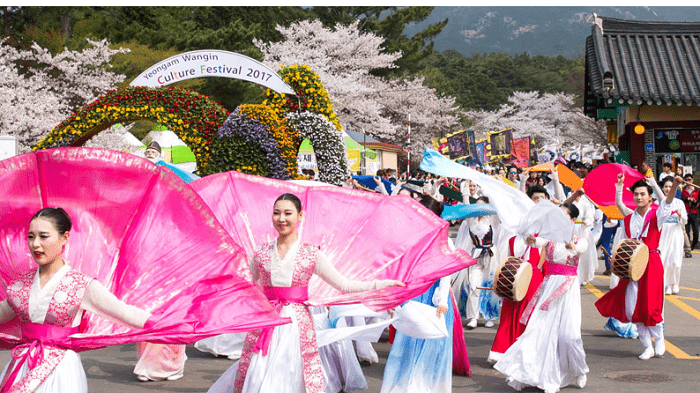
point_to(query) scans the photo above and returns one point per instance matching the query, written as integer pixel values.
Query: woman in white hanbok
(549, 354)
(478, 236)
(285, 359)
(671, 240)
(49, 302)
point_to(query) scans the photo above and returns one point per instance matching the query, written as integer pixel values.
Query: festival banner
(211, 63)
(521, 152)
(458, 145)
(472, 143)
(480, 148)
(501, 143)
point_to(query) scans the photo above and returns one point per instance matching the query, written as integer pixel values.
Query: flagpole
(408, 163)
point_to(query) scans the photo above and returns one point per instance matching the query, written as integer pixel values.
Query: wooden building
(643, 77)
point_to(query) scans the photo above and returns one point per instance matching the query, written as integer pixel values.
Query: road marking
(594, 290)
(670, 348)
(686, 297)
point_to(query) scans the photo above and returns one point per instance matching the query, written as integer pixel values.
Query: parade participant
(38, 298)
(690, 196)
(667, 172)
(477, 236)
(641, 302)
(284, 268)
(158, 362)
(426, 365)
(549, 354)
(589, 260)
(606, 237)
(509, 326)
(671, 240)
(513, 175)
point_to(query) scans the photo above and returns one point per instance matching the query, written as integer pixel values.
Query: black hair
(58, 217)
(667, 165)
(537, 189)
(667, 179)
(292, 198)
(483, 198)
(641, 183)
(571, 208)
(432, 204)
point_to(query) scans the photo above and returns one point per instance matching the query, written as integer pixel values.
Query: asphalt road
(613, 362)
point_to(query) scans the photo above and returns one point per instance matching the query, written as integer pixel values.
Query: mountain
(535, 30)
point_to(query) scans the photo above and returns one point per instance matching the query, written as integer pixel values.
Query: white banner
(307, 161)
(208, 63)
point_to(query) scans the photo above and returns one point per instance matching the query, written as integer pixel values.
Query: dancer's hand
(398, 284)
(530, 240)
(620, 179)
(441, 310)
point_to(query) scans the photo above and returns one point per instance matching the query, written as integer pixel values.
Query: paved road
(613, 361)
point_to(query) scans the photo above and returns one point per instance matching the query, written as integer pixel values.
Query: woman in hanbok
(672, 239)
(286, 358)
(49, 302)
(477, 236)
(510, 327)
(549, 354)
(426, 365)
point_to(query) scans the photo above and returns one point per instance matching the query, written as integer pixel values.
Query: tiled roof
(643, 62)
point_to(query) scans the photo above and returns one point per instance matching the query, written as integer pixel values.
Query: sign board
(211, 63)
(8, 146)
(649, 147)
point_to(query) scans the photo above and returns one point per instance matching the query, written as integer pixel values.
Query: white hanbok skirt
(671, 252)
(68, 376)
(549, 354)
(229, 345)
(279, 371)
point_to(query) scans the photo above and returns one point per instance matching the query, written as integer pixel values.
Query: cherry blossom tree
(39, 90)
(344, 57)
(546, 117)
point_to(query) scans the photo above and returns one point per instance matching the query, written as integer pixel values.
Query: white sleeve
(329, 274)
(6, 312)
(626, 211)
(663, 212)
(581, 246)
(442, 293)
(100, 301)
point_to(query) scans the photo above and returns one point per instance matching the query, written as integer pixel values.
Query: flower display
(311, 95)
(195, 118)
(328, 144)
(287, 138)
(245, 144)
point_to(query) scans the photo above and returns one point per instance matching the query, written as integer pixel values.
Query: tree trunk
(66, 26)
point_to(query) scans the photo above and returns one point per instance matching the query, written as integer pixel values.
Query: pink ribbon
(278, 297)
(36, 336)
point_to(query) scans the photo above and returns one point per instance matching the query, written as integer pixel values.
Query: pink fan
(144, 234)
(600, 184)
(365, 235)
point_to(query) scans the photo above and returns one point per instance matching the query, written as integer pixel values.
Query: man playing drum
(641, 302)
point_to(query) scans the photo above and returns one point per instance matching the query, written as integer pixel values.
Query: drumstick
(489, 288)
(606, 252)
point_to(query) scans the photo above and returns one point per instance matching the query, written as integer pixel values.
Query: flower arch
(195, 118)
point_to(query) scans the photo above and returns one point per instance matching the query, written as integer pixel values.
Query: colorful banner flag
(521, 152)
(472, 143)
(481, 152)
(458, 145)
(501, 143)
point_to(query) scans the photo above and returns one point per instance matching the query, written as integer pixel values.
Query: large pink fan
(600, 184)
(143, 233)
(365, 235)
